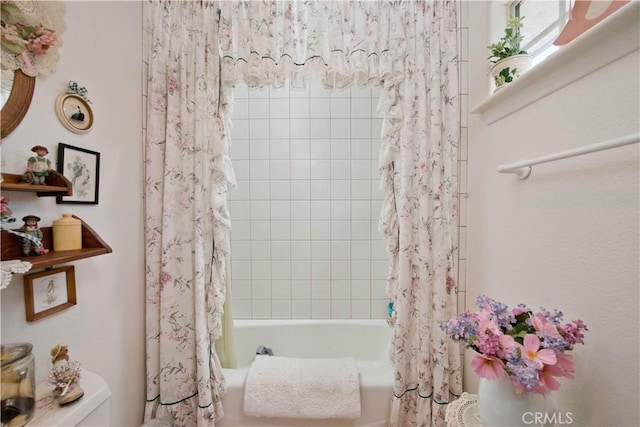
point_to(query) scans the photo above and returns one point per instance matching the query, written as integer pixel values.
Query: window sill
(615, 37)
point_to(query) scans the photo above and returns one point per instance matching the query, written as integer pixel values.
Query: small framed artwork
(49, 292)
(82, 168)
(74, 113)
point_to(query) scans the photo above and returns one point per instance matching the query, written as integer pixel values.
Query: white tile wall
(305, 212)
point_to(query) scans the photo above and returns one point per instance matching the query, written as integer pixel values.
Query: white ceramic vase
(500, 406)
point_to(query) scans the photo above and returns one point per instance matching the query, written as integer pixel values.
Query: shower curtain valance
(267, 42)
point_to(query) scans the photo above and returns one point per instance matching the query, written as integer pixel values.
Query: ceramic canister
(67, 233)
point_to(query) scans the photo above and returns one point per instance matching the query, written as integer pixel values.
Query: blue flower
(461, 328)
(525, 373)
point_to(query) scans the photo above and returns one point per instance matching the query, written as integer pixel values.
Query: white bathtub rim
(290, 322)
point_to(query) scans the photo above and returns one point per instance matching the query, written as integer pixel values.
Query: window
(544, 19)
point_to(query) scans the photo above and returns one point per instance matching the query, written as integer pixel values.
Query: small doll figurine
(38, 165)
(31, 236)
(65, 375)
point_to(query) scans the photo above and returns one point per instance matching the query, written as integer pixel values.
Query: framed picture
(82, 168)
(74, 113)
(49, 292)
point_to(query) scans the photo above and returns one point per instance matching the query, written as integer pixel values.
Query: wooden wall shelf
(57, 185)
(92, 245)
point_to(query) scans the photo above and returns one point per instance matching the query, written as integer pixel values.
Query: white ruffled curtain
(187, 176)
(410, 49)
(407, 48)
(419, 172)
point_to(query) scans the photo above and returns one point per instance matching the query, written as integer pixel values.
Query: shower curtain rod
(523, 168)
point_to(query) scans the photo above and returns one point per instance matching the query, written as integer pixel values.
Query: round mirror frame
(18, 103)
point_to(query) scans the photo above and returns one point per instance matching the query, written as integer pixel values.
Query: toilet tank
(91, 410)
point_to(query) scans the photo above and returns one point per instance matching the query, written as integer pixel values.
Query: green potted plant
(507, 56)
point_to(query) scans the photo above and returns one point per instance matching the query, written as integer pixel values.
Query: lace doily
(463, 412)
(51, 15)
(8, 268)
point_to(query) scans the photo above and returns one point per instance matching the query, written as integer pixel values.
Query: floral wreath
(30, 35)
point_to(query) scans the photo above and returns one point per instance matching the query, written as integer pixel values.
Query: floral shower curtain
(409, 48)
(419, 217)
(187, 175)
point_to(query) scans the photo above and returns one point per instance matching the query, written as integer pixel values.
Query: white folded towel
(284, 387)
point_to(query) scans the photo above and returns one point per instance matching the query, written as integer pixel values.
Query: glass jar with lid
(18, 384)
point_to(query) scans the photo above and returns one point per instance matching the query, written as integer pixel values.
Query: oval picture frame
(74, 112)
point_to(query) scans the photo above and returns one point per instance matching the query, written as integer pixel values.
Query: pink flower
(547, 380)
(531, 350)
(507, 343)
(164, 278)
(489, 343)
(542, 325)
(564, 368)
(485, 323)
(490, 368)
(40, 39)
(573, 334)
(565, 362)
(399, 343)
(451, 283)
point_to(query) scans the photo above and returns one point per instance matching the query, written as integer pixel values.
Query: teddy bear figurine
(65, 375)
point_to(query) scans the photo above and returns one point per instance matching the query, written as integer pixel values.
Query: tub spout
(264, 350)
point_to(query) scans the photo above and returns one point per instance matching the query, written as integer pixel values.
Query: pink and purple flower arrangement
(527, 348)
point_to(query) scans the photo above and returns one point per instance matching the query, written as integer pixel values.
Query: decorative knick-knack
(65, 376)
(31, 236)
(38, 166)
(67, 233)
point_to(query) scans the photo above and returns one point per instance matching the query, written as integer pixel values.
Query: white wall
(567, 237)
(105, 330)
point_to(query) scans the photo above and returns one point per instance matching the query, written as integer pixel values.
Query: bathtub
(365, 340)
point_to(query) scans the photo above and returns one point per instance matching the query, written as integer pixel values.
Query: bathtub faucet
(264, 350)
